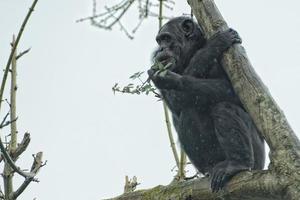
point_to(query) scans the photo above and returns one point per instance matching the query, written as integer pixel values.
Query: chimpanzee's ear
(188, 27)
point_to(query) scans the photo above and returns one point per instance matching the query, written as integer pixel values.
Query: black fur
(214, 129)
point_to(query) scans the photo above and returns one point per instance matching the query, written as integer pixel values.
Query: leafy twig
(146, 87)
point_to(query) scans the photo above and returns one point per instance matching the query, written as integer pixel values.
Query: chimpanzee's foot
(223, 172)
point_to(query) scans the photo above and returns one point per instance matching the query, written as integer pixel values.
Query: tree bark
(246, 186)
(282, 179)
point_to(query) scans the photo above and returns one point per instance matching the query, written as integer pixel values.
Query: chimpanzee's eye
(163, 37)
(158, 40)
(166, 38)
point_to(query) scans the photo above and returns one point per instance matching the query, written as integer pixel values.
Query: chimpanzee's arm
(168, 81)
(201, 62)
(207, 55)
(209, 88)
(214, 89)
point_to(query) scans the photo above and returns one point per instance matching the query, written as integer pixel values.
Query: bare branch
(14, 49)
(13, 102)
(10, 161)
(5, 154)
(22, 53)
(6, 101)
(170, 134)
(4, 120)
(118, 18)
(109, 10)
(113, 15)
(22, 146)
(5, 123)
(246, 185)
(37, 164)
(130, 185)
(8, 123)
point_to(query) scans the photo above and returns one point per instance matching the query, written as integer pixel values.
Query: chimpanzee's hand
(165, 79)
(225, 39)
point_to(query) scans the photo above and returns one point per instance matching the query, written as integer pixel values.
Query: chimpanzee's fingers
(235, 37)
(150, 73)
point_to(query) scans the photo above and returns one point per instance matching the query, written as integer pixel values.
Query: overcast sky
(90, 137)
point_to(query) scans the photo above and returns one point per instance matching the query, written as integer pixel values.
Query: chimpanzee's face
(177, 43)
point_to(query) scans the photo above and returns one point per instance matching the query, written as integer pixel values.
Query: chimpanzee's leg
(232, 128)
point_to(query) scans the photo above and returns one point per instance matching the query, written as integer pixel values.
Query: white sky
(90, 137)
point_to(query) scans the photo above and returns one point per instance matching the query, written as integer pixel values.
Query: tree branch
(4, 123)
(14, 49)
(258, 185)
(8, 159)
(170, 135)
(22, 146)
(5, 154)
(37, 164)
(23, 53)
(13, 101)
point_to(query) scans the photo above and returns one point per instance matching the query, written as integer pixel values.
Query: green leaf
(168, 65)
(160, 66)
(163, 73)
(136, 75)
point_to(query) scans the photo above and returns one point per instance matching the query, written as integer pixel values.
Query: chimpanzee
(214, 129)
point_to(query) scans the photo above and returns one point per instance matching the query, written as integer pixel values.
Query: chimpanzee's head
(178, 40)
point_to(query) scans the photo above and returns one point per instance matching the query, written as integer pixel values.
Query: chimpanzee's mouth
(166, 61)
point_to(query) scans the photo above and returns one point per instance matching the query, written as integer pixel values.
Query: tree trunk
(282, 179)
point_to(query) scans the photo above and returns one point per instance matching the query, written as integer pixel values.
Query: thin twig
(4, 120)
(182, 164)
(167, 118)
(8, 123)
(170, 134)
(121, 15)
(114, 8)
(160, 15)
(113, 15)
(22, 53)
(146, 8)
